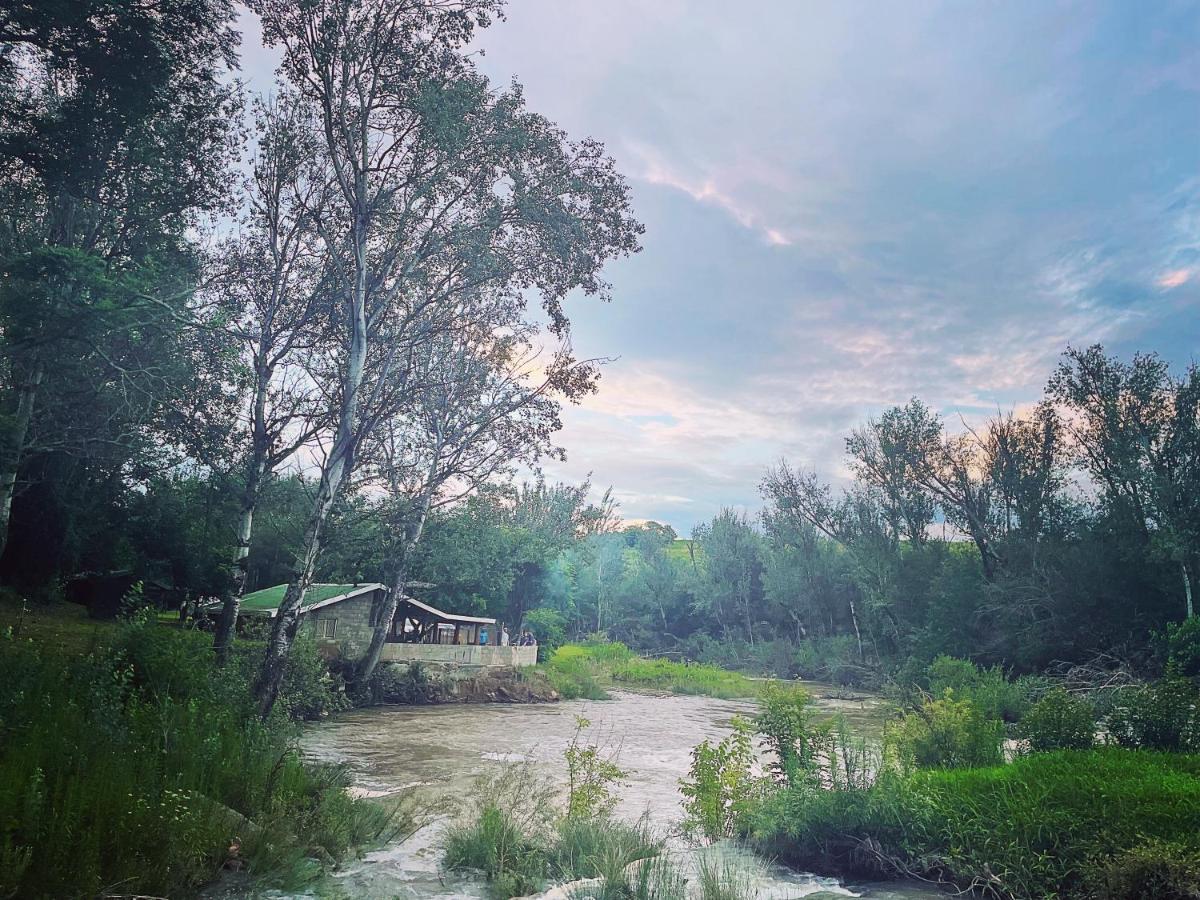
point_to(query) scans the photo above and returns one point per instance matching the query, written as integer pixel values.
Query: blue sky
(849, 204)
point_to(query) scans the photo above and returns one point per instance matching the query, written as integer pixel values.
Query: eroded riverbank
(439, 751)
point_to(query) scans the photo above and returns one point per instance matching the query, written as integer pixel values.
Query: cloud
(845, 211)
(1174, 278)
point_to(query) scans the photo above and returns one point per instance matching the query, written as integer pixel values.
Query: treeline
(1066, 534)
(361, 276)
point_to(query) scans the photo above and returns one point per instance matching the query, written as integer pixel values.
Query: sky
(848, 204)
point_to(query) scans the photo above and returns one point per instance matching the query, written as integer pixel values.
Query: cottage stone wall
(352, 633)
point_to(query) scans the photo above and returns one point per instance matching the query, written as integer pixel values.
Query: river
(440, 751)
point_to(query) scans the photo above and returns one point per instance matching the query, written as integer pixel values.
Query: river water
(439, 751)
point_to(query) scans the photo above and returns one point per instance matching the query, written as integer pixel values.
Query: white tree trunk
(26, 397)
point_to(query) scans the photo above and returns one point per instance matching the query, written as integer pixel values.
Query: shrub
(989, 690)
(1162, 715)
(722, 874)
(1059, 721)
(792, 734)
(1183, 648)
(550, 629)
(833, 659)
(591, 775)
(407, 683)
(511, 859)
(721, 789)
(600, 847)
(946, 734)
(571, 677)
(1156, 870)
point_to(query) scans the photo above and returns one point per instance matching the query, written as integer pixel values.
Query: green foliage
(1156, 870)
(1162, 715)
(520, 840)
(681, 678)
(946, 734)
(514, 862)
(399, 683)
(797, 741)
(571, 675)
(140, 766)
(1183, 647)
(722, 874)
(721, 788)
(616, 661)
(989, 690)
(1032, 829)
(550, 629)
(1059, 721)
(591, 775)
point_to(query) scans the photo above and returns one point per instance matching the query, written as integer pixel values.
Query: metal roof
(449, 617)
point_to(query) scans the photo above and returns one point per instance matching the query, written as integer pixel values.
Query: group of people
(526, 638)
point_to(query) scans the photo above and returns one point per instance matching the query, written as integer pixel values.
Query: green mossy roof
(269, 598)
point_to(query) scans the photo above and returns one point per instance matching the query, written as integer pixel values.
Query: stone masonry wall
(352, 634)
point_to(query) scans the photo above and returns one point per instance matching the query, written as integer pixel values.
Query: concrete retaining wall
(461, 654)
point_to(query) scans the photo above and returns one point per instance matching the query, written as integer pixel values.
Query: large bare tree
(274, 301)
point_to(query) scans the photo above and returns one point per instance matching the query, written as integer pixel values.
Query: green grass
(133, 766)
(618, 664)
(58, 625)
(1041, 827)
(518, 857)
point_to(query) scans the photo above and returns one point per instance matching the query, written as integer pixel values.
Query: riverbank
(130, 765)
(1110, 823)
(425, 684)
(585, 670)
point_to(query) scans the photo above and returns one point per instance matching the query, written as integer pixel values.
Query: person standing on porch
(504, 636)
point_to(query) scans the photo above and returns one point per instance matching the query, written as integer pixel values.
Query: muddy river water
(441, 750)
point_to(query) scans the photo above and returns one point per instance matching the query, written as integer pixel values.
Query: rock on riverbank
(426, 683)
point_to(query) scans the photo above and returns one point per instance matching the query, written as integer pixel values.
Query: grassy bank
(1048, 825)
(128, 764)
(582, 670)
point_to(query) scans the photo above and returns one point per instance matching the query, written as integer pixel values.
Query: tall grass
(1034, 828)
(585, 664)
(138, 768)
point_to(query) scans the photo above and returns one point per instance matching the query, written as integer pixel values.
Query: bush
(1157, 870)
(789, 729)
(833, 659)
(1162, 715)
(989, 690)
(1183, 648)
(946, 734)
(1059, 721)
(1033, 828)
(406, 683)
(141, 765)
(572, 678)
(721, 789)
(550, 629)
(514, 861)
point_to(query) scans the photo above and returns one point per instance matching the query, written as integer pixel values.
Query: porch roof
(445, 616)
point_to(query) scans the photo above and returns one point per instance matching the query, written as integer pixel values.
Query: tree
(442, 188)
(478, 412)
(276, 306)
(732, 570)
(103, 166)
(1136, 430)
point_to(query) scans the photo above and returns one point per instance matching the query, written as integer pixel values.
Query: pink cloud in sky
(1175, 278)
